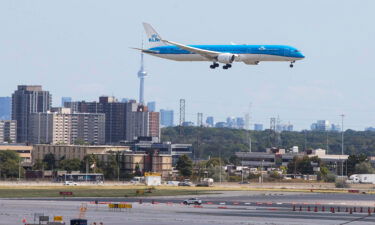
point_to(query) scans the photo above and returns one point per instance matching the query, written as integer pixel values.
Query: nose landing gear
(291, 64)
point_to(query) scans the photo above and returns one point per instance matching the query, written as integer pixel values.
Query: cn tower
(141, 75)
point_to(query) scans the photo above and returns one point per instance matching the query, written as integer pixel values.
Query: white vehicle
(362, 179)
(194, 201)
(70, 183)
(137, 180)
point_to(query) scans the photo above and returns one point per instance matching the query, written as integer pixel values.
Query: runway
(225, 208)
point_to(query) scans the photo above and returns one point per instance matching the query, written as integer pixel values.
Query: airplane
(226, 54)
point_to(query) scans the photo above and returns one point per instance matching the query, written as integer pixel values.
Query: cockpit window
(295, 50)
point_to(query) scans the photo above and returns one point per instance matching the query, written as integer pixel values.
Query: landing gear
(214, 65)
(291, 64)
(226, 66)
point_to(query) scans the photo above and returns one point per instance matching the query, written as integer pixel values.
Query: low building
(24, 151)
(73, 151)
(129, 161)
(275, 157)
(148, 144)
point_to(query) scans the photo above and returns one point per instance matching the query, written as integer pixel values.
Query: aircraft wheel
(212, 66)
(216, 64)
(225, 67)
(291, 65)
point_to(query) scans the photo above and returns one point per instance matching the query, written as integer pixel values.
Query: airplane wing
(205, 53)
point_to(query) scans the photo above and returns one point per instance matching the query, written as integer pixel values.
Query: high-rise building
(120, 117)
(258, 126)
(321, 125)
(28, 99)
(210, 121)
(115, 115)
(166, 117)
(65, 99)
(151, 106)
(8, 131)
(240, 123)
(284, 127)
(5, 108)
(141, 123)
(63, 127)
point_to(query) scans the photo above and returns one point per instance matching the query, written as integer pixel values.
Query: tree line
(224, 142)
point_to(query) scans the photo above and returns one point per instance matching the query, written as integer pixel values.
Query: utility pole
(327, 142)
(342, 144)
(220, 166)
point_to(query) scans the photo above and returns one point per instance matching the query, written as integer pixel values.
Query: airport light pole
(342, 144)
(220, 165)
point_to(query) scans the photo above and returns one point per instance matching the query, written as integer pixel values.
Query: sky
(82, 49)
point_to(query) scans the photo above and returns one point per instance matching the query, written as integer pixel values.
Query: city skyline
(86, 56)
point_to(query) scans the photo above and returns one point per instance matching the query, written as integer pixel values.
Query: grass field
(25, 191)
(93, 191)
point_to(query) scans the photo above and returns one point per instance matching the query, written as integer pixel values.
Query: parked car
(194, 201)
(70, 183)
(184, 184)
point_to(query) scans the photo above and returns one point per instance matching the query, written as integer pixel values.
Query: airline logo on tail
(154, 38)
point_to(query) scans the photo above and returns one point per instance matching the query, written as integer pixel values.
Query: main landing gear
(226, 66)
(214, 65)
(291, 64)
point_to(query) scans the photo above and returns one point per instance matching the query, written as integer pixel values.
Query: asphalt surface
(226, 208)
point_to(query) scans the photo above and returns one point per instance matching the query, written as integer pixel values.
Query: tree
(80, 142)
(302, 165)
(9, 164)
(70, 164)
(111, 169)
(235, 160)
(138, 171)
(353, 160)
(184, 166)
(39, 165)
(364, 168)
(50, 161)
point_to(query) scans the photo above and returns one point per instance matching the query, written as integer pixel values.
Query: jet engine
(226, 58)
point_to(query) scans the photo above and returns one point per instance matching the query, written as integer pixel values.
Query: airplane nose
(301, 56)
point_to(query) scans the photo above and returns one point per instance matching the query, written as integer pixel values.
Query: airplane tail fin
(153, 38)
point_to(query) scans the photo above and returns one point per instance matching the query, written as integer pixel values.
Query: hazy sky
(81, 49)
